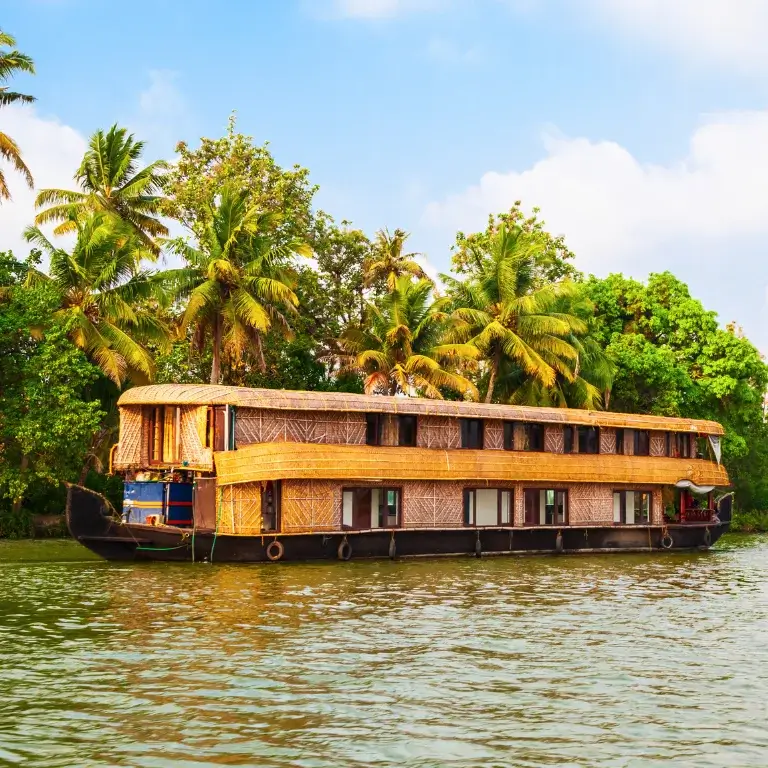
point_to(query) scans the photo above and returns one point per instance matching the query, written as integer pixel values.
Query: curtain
(169, 435)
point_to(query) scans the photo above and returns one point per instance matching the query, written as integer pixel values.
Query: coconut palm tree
(388, 261)
(236, 283)
(104, 295)
(110, 180)
(11, 62)
(400, 347)
(508, 315)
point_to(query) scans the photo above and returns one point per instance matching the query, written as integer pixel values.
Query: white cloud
(383, 9)
(52, 151)
(162, 111)
(730, 32)
(705, 217)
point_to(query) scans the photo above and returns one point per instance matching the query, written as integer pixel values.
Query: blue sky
(639, 127)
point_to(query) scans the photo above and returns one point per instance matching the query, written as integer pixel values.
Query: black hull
(100, 530)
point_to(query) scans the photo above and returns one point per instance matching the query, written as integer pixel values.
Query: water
(572, 661)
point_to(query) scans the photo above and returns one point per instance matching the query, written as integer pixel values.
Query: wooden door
(361, 512)
(204, 503)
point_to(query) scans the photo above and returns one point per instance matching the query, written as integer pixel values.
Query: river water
(539, 661)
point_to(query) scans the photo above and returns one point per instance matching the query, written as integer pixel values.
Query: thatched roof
(284, 399)
(265, 461)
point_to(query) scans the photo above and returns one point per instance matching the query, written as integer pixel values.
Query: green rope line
(160, 549)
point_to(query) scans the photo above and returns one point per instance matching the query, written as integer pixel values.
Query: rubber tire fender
(272, 555)
(667, 537)
(344, 552)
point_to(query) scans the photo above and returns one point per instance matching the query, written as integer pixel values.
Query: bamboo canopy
(282, 399)
(270, 461)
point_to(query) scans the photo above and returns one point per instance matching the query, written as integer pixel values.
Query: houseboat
(246, 475)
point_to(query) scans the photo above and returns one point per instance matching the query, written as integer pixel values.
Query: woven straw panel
(657, 507)
(493, 437)
(432, 504)
(193, 450)
(128, 454)
(239, 509)
(281, 399)
(271, 461)
(554, 440)
(253, 425)
(590, 503)
(607, 441)
(438, 432)
(658, 446)
(310, 505)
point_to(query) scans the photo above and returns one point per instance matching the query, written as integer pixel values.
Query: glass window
(472, 433)
(534, 437)
(407, 430)
(547, 506)
(568, 439)
(642, 442)
(488, 506)
(620, 441)
(681, 445)
(373, 428)
(366, 508)
(554, 507)
(632, 507)
(589, 440)
(509, 435)
(163, 427)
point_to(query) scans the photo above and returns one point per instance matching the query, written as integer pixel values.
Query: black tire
(666, 541)
(559, 542)
(392, 549)
(344, 552)
(707, 537)
(478, 548)
(275, 550)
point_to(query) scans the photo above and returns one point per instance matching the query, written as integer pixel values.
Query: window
(270, 507)
(620, 441)
(632, 507)
(545, 506)
(589, 440)
(681, 445)
(532, 437)
(406, 430)
(472, 433)
(567, 439)
(642, 442)
(488, 506)
(374, 424)
(163, 429)
(365, 508)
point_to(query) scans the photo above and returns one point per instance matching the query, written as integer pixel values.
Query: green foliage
(198, 176)
(752, 521)
(46, 422)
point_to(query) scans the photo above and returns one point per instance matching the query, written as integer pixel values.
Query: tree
(388, 262)
(11, 62)
(110, 181)
(199, 175)
(400, 348)
(236, 283)
(673, 359)
(46, 419)
(511, 316)
(553, 257)
(103, 293)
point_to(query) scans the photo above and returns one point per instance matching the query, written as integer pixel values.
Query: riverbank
(753, 521)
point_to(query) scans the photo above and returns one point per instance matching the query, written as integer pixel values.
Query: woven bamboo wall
(256, 425)
(607, 441)
(193, 429)
(271, 461)
(129, 453)
(554, 440)
(493, 436)
(311, 505)
(288, 400)
(239, 509)
(438, 432)
(658, 446)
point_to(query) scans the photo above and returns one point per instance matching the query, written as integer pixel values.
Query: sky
(638, 127)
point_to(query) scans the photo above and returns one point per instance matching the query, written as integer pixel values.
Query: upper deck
(400, 438)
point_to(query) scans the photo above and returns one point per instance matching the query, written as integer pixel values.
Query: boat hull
(97, 527)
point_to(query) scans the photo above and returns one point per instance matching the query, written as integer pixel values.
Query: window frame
(378, 425)
(566, 506)
(156, 434)
(398, 489)
(620, 441)
(464, 430)
(588, 432)
(636, 442)
(467, 513)
(568, 439)
(622, 493)
(415, 420)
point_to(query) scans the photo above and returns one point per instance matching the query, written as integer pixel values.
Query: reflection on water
(548, 661)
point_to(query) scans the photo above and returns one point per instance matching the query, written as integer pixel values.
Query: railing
(697, 515)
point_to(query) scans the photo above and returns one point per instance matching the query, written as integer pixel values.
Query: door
(361, 509)
(532, 506)
(204, 503)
